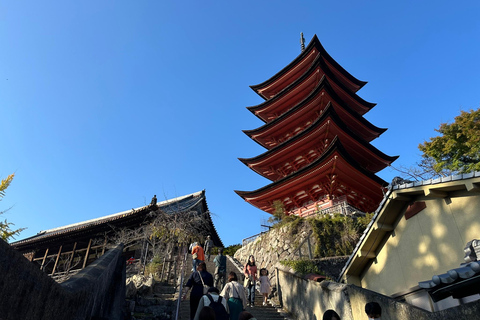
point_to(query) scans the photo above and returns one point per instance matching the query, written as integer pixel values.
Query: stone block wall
(279, 244)
(27, 293)
(273, 246)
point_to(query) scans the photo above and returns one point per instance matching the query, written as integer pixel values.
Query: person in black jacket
(196, 282)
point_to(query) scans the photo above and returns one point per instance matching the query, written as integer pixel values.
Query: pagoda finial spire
(302, 41)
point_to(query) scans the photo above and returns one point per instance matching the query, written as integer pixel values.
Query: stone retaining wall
(273, 246)
(279, 244)
(97, 292)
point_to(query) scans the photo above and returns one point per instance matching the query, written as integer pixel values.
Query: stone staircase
(155, 305)
(259, 311)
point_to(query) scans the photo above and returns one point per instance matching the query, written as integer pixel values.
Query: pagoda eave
(311, 104)
(334, 164)
(327, 126)
(313, 46)
(318, 71)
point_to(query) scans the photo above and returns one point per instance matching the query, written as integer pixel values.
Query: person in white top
(205, 301)
(234, 293)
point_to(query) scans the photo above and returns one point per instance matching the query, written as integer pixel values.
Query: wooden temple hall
(318, 154)
(71, 248)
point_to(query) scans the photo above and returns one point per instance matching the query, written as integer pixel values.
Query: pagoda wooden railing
(342, 208)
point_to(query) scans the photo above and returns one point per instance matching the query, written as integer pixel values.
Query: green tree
(6, 232)
(457, 149)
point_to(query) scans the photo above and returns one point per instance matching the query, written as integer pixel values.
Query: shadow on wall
(308, 300)
(98, 291)
(428, 243)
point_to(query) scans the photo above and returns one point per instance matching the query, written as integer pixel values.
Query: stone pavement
(260, 312)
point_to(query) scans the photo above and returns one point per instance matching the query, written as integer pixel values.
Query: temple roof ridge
(107, 217)
(196, 197)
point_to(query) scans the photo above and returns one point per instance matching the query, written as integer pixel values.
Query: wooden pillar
(56, 260)
(86, 255)
(43, 261)
(169, 269)
(71, 258)
(163, 268)
(104, 245)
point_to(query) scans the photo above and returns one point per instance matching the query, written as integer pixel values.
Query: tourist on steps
(208, 247)
(331, 315)
(195, 282)
(245, 315)
(234, 293)
(265, 285)
(250, 271)
(207, 313)
(220, 269)
(205, 301)
(373, 310)
(198, 255)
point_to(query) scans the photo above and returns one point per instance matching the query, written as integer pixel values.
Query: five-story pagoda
(318, 154)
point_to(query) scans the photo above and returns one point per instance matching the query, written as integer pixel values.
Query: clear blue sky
(105, 103)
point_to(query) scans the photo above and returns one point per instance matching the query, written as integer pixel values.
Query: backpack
(217, 306)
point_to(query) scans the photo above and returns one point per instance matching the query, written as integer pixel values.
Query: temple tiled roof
(195, 201)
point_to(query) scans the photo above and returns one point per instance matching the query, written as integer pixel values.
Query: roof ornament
(399, 180)
(302, 41)
(154, 200)
(472, 251)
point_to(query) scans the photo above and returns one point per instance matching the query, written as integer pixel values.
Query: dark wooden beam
(104, 245)
(56, 260)
(86, 255)
(73, 254)
(43, 260)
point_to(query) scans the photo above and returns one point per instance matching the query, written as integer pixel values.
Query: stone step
(164, 289)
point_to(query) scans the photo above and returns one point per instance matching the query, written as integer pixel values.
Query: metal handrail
(299, 248)
(180, 287)
(252, 238)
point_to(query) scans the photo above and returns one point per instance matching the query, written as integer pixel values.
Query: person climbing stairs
(259, 311)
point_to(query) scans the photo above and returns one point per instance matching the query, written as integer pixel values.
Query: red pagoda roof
(334, 174)
(299, 65)
(305, 113)
(304, 148)
(299, 89)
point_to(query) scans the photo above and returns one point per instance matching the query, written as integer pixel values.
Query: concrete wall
(308, 300)
(427, 244)
(27, 293)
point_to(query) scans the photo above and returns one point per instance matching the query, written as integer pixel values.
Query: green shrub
(154, 266)
(230, 250)
(337, 235)
(302, 267)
